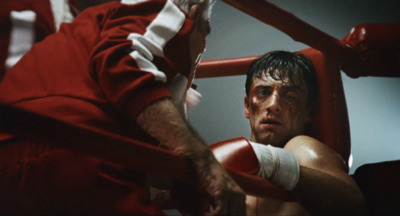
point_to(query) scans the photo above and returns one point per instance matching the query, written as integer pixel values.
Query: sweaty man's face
(276, 110)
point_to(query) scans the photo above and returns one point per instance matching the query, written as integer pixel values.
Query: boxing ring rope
(368, 50)
(292, 26)
(286, 22)
(224, 67)
(135, 154)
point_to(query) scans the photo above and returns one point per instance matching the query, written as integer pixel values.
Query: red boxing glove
(236, 154)
(276, 164)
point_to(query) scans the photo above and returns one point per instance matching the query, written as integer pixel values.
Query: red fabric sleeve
(132, 62)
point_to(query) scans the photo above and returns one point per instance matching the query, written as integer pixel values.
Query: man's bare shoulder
(312, 153)
(271, 206)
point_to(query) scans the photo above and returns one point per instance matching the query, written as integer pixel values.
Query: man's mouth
(271, 121)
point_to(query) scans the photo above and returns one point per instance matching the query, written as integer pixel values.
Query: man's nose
(273, 103)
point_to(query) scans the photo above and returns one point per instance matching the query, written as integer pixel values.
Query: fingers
(228, 198)
(233, 205)
(214, 210)
(223, 192)
(238, 202)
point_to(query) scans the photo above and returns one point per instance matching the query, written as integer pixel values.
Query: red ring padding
(378, 50)
(330, 122)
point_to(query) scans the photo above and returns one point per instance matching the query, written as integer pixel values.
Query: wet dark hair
(281, 64)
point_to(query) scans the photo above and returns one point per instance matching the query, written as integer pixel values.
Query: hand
(225, 196)
(163, 121)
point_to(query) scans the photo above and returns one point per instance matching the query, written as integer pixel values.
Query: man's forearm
(164, 122)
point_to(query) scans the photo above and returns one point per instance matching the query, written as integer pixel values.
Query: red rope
(294, 27)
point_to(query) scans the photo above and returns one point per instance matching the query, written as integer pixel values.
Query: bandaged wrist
(278, 165)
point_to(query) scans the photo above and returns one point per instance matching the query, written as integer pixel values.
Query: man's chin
(271, 140)
(267, 141)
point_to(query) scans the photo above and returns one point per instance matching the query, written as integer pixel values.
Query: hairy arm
(163, 121)
(324, 186)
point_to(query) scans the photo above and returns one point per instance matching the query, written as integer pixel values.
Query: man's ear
(194, 12)
(246, 107)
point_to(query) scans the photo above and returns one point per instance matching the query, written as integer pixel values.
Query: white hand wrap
(278, 165)
(193, 98)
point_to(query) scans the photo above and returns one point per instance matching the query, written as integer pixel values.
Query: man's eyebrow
(293, 89)
(290, 87)
(262, 86)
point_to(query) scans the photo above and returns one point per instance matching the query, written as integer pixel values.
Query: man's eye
(263, 92)
(292, 95)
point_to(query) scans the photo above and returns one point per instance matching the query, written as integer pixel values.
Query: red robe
(100, 71)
